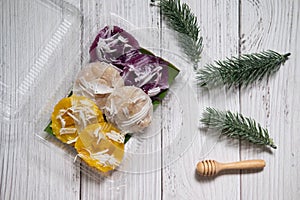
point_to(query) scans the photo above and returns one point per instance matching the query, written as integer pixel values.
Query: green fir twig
(241, 71)
(180, 18)
(235, 125)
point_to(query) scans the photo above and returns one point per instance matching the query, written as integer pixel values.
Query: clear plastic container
(52, 51)
(50, 76)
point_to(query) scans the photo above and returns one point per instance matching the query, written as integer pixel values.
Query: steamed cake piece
(111, 43)
(129, 108)
(101, 146)
(71, 115)
(96, 81)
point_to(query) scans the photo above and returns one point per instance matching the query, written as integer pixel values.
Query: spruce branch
(241, 71)
(180, 18)
(235, 125)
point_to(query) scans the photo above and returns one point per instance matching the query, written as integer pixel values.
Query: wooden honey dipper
(212, 167)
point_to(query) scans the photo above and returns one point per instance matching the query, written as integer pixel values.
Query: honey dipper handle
(246, 164)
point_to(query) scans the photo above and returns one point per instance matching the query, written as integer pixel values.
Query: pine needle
(235, 125)
(180, 18)
(241, 71)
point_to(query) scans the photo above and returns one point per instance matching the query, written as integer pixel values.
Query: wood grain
(32, 170)
(273, 102)
(219, 27)
(29, 169)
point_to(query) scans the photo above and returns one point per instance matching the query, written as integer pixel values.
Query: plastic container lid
(46, 64)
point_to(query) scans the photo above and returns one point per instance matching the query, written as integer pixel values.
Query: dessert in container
(52, 73)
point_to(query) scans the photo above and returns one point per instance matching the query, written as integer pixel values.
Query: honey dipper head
(206, 168)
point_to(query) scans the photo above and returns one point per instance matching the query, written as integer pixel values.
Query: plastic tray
(49, 77)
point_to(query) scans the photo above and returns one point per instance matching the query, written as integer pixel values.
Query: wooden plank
(274, 102)
(125, 185)
(29, 169)
(219, 24)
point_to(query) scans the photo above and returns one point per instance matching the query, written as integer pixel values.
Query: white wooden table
(30, 171)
